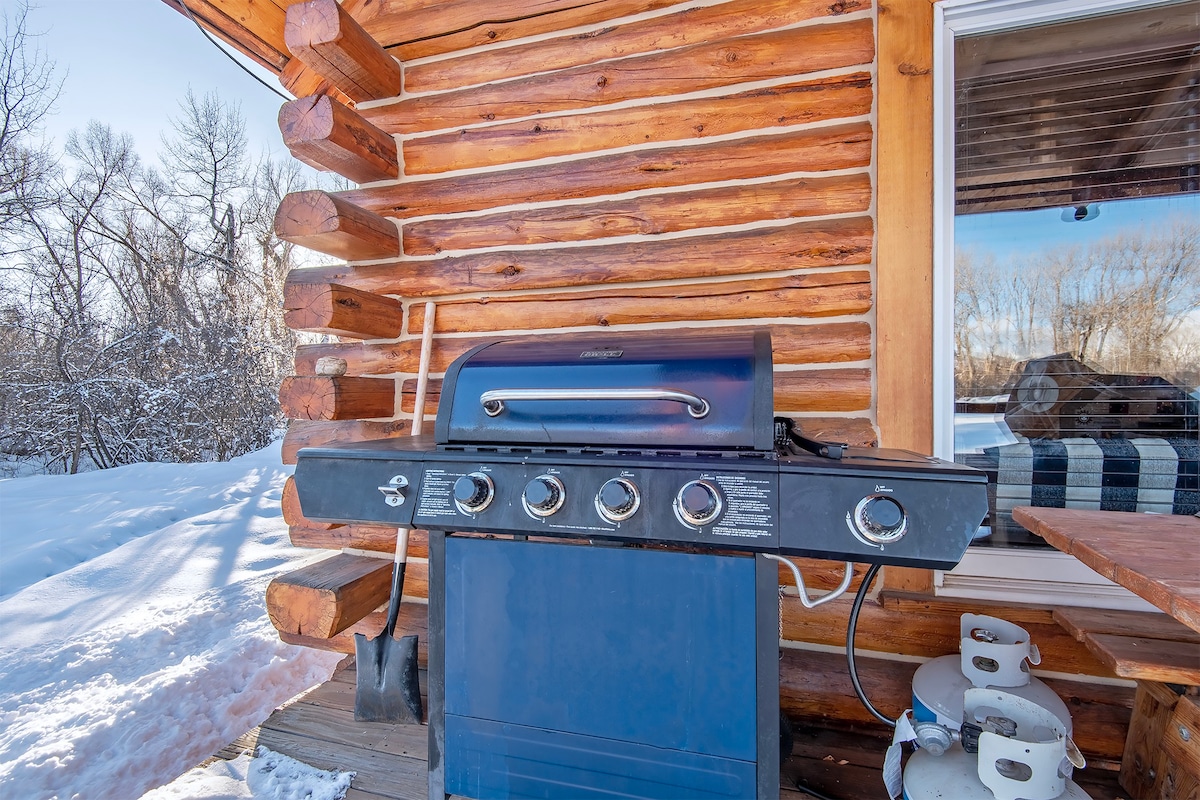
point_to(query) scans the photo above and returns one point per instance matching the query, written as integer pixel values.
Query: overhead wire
(183, 4)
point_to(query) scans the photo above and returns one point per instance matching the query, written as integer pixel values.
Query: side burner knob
(473, 493)
(881, 518)
(618, 499)
(543, 495)
(698, 503)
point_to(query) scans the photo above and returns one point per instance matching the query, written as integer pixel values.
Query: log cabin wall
(621, 165)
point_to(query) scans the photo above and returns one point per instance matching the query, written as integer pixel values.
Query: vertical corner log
(323, 35)
(341, 311)
(329, 136)
(321, 221)
(337, 397)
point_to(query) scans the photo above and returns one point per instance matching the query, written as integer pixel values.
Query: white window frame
(1045, 577)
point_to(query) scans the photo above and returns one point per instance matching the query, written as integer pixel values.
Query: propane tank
(992, 652)
(1008, 748)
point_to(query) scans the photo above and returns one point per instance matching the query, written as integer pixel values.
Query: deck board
(319, 728)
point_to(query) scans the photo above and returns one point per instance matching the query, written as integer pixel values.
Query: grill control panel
(692, 503)
(922, 513)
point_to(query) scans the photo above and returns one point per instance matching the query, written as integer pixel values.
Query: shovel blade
(387, 689)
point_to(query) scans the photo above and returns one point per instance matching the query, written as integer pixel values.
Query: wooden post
(1144, 759)
(326, 38)
(329, 136)
(334, 397)
(321, 221)
(342, 311)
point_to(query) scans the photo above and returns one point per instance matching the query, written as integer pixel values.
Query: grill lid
(659, 389)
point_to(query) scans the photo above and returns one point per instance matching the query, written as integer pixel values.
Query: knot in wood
(512, 270)
(331, 366)
(602, 81)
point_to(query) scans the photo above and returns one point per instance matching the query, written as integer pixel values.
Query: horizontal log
(815, 691)
(302, 81)
(328, 136)
(855, 431)
(823, 390)
(357, 537)
(793, 344)
(385, 358)
(433, 395)
(646, 214)
(292, 514)
(413, 30)
(707, 65)
(412, 620)
(927, 626)
(313, 433)
(329, 41)
(341, 311)
(592, 131)
(337, 397)
(801, 245)
(807, 150)
(797, 296)
(690, 26)
(329, 596)
(332, 225)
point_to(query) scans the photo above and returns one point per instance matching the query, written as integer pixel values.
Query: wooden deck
(319, 728)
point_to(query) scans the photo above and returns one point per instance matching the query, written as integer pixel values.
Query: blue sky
(128, 63)
(1006, 233)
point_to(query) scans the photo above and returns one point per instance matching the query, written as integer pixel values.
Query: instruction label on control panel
(749, 507)
(437, 487)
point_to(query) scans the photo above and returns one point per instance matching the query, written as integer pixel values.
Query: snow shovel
(387, 689)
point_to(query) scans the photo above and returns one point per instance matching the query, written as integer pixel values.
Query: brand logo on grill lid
(602, 353)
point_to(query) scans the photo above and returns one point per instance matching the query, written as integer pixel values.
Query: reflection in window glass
(1077, 265)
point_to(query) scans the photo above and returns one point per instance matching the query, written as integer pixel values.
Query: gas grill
(577, 671)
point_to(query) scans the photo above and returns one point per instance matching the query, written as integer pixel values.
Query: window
(1067, 206)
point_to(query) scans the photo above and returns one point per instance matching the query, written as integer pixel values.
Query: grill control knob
(473, 493)
(698, 503)
(618, 499)
(880, 518)
(543, 495)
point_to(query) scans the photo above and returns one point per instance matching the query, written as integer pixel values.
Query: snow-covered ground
(134, 642)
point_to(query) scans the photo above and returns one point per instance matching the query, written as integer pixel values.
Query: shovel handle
(393, 612)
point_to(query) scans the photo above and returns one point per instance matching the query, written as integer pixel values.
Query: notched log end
(311, 23)
(305, 120)
(306, 213)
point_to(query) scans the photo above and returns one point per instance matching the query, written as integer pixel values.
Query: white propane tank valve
(1009, 748)
(992, 653)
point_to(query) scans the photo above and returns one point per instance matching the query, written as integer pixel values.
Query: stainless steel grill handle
(493, 401)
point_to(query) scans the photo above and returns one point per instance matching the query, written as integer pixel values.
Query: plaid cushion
(1144, 475)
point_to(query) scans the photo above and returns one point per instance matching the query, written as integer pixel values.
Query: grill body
(589, 662)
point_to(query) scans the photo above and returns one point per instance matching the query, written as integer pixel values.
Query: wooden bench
(1162, 747)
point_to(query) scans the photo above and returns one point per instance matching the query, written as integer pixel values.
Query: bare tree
(28, 90)
(151, 321)
(1126, 304)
